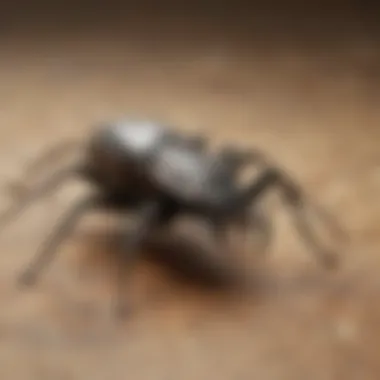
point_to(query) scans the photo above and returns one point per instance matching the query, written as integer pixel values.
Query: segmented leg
(49, 185)
(150, 217)
(59, 234)
(51, 155)
(19, 188)
(272, 178)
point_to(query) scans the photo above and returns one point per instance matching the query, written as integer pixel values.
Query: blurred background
(300, 80)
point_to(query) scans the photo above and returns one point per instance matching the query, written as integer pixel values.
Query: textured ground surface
(317, 116)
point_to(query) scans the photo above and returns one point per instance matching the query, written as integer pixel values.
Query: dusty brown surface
(317, 116)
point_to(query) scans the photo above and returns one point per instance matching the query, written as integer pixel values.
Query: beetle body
(118, 154)
(144, 165)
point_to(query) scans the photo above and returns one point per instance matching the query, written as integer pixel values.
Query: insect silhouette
(150, 168)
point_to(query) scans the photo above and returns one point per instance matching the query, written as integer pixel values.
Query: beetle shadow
(184, 260)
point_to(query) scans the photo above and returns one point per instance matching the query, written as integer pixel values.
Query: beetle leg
(149, 218)
(17, 189)
(328, 258)
(43, 189)
(51, 155)
(272, 178)
(59, 234)
(296, 200)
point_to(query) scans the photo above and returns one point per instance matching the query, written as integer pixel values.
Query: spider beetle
(136, 164)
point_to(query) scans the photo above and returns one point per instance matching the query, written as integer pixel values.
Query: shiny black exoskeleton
(150, 168)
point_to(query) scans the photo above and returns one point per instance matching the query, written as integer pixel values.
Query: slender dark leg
(17, 189)
(149, 217)
(326, 256)
(294, 198)
(50, 156)
(59, 234)
(42, 190)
